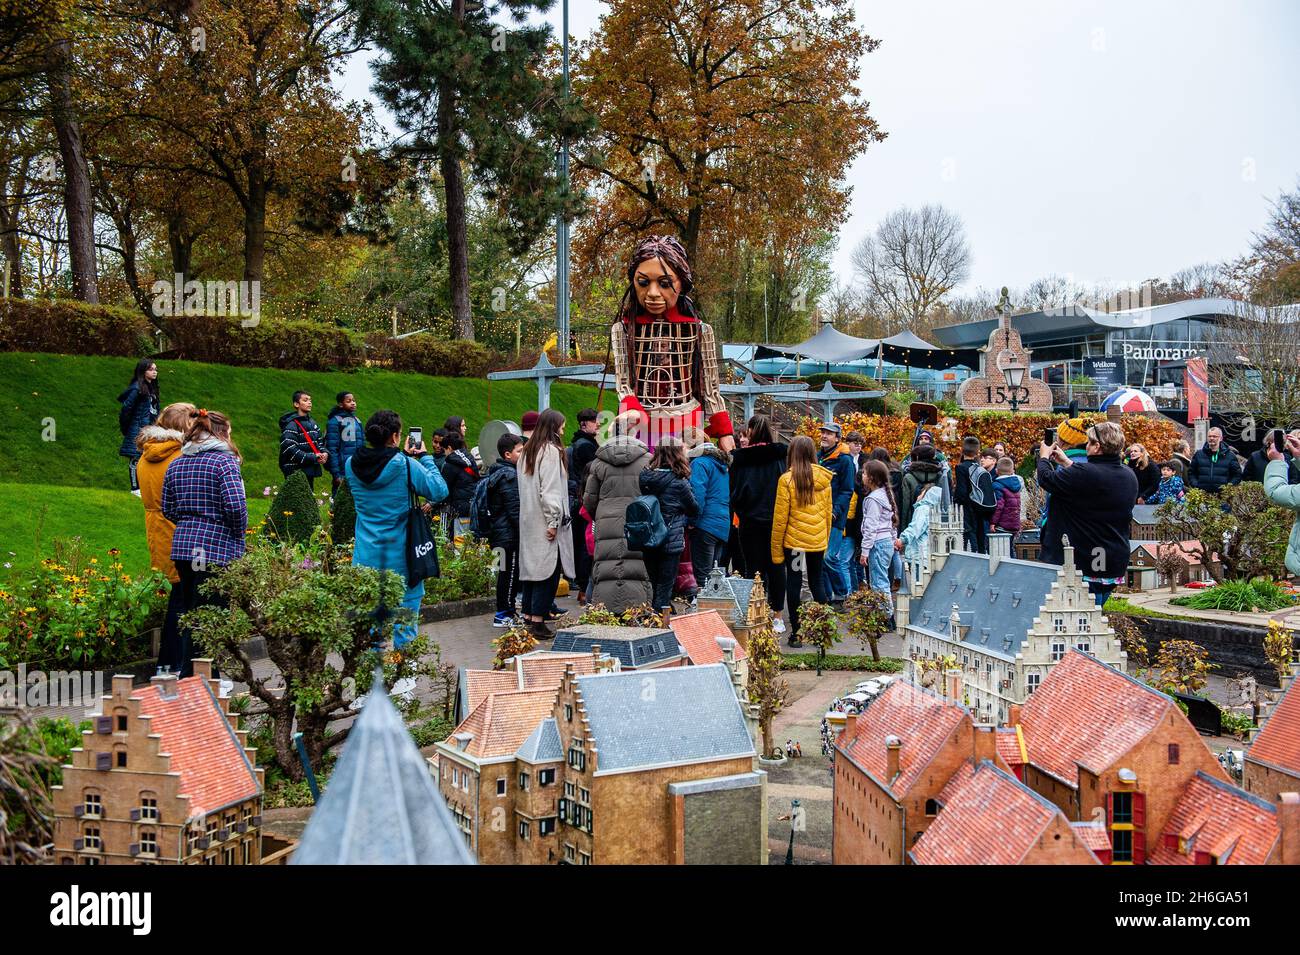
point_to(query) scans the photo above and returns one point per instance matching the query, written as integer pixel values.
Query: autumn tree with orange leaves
(722, 122)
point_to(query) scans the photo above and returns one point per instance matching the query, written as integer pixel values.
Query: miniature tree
(1279, 648)
(642, 615)
(343, 516)
(930, 667)
(515, 641)
(868, 614)
(819, 625)
(1171, 562)
(294, 514)
(768, 690)
(1238, 524)
(1182, 666)
(25, 807)
(1132, 641)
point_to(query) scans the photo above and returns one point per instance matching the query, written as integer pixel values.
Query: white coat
(544, 503)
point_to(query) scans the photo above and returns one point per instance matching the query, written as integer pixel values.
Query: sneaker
(136, 492)
(503, 620)
(778, 625)
(792, 642)
(554, 614)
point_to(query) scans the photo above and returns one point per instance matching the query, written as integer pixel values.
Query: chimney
(985, 743)
(1013, 714)
(463, 740)
(953, 685)
(850, 727)
(893, 749)
(999, 548)
(122, 685)
(202, 669)
(728, 646)
(1288, 821)
(166, 683)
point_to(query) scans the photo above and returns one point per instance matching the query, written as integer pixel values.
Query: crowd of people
(827, 517)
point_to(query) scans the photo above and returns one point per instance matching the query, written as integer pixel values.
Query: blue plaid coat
(203, 495)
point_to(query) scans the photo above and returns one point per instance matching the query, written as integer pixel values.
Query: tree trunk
(255, 226)
(766, 726)
(454, 191)
(181, 245)
(77, 199)
(875, 650)
(12, 250)
(286, 755)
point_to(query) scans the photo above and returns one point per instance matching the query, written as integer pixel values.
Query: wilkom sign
(1160, 352)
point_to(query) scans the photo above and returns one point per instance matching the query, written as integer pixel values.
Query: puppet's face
(657, 286)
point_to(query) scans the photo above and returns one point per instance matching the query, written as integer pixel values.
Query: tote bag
(421, 549)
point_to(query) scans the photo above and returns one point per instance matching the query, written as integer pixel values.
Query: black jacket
(754, 473)
(503, 502)
(582, 451)
(677, 504)
(1207, 474)
(295, 453)
(461, 474)
(1148, 477)
(1258, 461)
(1092, 505)
(918, 477)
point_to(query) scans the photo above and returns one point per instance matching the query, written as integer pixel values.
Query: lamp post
(1014, 373)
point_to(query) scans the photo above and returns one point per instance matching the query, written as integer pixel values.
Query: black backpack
(643, 524)
(480, 511)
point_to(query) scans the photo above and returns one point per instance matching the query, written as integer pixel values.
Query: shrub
(464, 571)
(25, 805)
(343, 515)
(1248, 534)
(868, 613)
(63, 326)
(294, 514)
(311, 346)
(430, 355)
(76, 610)
(1238, 596)
(819, 626)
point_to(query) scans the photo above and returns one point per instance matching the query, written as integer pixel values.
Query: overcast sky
(1111, 141)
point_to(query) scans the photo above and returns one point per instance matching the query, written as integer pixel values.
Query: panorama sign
(1159, 353)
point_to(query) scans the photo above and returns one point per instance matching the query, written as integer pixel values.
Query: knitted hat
(1072, 432)
(529, 421)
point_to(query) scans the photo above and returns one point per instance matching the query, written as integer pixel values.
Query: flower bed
(75, 609)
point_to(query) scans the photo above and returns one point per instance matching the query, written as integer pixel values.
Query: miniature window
(148, 806)
(931, 807)
(524, 829)
(568, 712)
(121, 720)
(501, 786)
(1083, 646)
(1058, 623)
(455, 778)
(1085, 624)
(584, 858)
(546, 777)
(148, 842)
(93, 805)
(248, 851)
(1173, 754)
(570, 853)
(545, 827)
(584, 796)
(1031, 682)
(1058, 650)
(119, 757)
(523, 782)
(569, 789)
(90, 835)
(228, 857)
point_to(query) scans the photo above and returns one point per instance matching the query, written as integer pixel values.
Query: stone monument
(990, 390)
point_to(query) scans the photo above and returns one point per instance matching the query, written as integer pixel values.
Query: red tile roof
(1009, 743)
(1212, 816)
(1093, 835)
(1090, 714)
(531, 671)
(503, 721)
(480, 684)
(922, 720)
(988, 818)
(698, 634)
(1278, 743)
(202, 745)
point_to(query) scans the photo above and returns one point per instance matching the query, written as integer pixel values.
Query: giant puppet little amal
(665, 358)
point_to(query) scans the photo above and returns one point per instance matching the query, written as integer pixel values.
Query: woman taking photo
(160, 444)
(381, 478)
(801, 527)
(669, 479)
(203, 496)
(545, 541)
(755, 470)
(140, 407)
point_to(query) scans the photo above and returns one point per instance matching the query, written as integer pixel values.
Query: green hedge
(430, 355)
(64, 326)
(220, 339)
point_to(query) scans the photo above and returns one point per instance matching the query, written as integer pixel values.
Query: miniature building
(986, 817)
(736, 599)
(381, 807)
(528, 671)
(1215, 823)
(891, 764)
(1145, 526)
(164, 777)
(1272, 764)
(1028, 545)
(1006, 622)
(614, 767)
(700, 636)
(988, 388)
(1143, 574)
(635, 648)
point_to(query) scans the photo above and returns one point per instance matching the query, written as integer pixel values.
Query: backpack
(480, 512)
(978, 505)
(643, 524)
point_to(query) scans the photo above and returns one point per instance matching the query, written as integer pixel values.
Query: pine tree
(294, 515)
(472, 90)
(343, 518)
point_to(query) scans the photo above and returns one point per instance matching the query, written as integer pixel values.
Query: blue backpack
(643, 524)
(480, 514)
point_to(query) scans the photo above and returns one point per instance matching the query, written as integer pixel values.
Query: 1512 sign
(1001, 395)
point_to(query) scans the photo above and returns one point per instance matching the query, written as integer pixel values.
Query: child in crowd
(1007, 487)
(668, 478)
(974, 492)
(503, 505)
(879, 530)
(1171, 485)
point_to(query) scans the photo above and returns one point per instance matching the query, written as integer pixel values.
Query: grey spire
(381, 806)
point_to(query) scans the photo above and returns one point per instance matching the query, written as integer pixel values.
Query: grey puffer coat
(613, 477)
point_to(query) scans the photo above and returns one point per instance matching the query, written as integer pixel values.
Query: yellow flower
(94, 560)
(29, 610)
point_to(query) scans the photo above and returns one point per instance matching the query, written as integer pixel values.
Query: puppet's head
(659, 277)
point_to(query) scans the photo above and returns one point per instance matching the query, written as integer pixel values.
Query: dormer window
(952, 586)
(1016, 597)
(970, 590)
(993, 594)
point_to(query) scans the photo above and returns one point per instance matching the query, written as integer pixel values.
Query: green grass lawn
(76, 484)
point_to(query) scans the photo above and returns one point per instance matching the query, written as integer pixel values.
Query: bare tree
(1053, 291)
(1260, 374)
(915, 258)
(1272, 249)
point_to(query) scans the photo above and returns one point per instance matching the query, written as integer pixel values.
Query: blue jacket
(712, 488)
(382, 504)
(840, 463)
(344, 437)
(142, 409)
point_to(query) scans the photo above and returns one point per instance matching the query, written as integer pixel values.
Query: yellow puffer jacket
(801, 528)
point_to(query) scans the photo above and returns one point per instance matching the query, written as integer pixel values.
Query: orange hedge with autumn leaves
(1020, 432)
